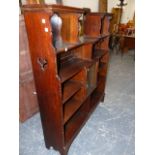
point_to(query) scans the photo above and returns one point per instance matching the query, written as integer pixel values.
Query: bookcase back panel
(87, 51)
(92, 25)
(84, 52)
(65, 58)
(81, 77)
(70, 27)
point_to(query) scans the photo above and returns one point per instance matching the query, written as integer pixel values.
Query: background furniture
(35, 1)
(103, 4)
(116, 12)
(127, 42)
(69, 69)
(124, 39)
(28, 105)
(122, 43)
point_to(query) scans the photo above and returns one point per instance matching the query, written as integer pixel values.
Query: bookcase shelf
(69, 69)
(70, 108)
(62, 46)
(69, 89)
(73, 67)
(73, 126)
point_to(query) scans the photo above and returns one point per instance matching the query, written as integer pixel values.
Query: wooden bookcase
(69, 69)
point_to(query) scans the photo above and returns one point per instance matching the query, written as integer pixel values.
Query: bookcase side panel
(47, 83)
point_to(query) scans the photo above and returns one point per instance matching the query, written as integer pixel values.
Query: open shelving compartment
(73, 126)
(81, 73)
(76, 108)
(68, 70)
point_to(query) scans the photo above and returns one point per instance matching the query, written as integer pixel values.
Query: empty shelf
(70, 108)
(73, 67)
(70, 88)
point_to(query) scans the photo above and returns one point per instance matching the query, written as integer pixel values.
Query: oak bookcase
(69, 67)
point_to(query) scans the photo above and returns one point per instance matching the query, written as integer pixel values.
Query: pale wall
(92, 4)
(50, 1)
(128, 11)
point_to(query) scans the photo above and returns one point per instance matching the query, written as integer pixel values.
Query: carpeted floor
(110, 129)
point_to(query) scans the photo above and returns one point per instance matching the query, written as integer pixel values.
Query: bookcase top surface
(52, 7)
(100, 14)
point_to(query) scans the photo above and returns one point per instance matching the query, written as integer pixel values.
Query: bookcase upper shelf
(66, 46)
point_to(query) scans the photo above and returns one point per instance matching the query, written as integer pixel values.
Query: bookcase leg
(64, 152)
(102, 99)
(47, 146)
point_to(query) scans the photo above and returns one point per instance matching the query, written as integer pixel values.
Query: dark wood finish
(28, 104)
(92, 24)
(126, 43)
(76, 122)
(101, 48)
(69, 89)
(98, 24)
(68, 74)
(70, 108)
(70, 69)
(99, 53)
(54, 7)
(105, 27)
(47, 83)
(70, 34)
(82, 40)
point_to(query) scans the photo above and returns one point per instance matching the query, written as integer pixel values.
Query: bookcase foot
(64, 152)
(102, 99)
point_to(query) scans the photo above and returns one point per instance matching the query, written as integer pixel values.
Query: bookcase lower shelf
(74, 125)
